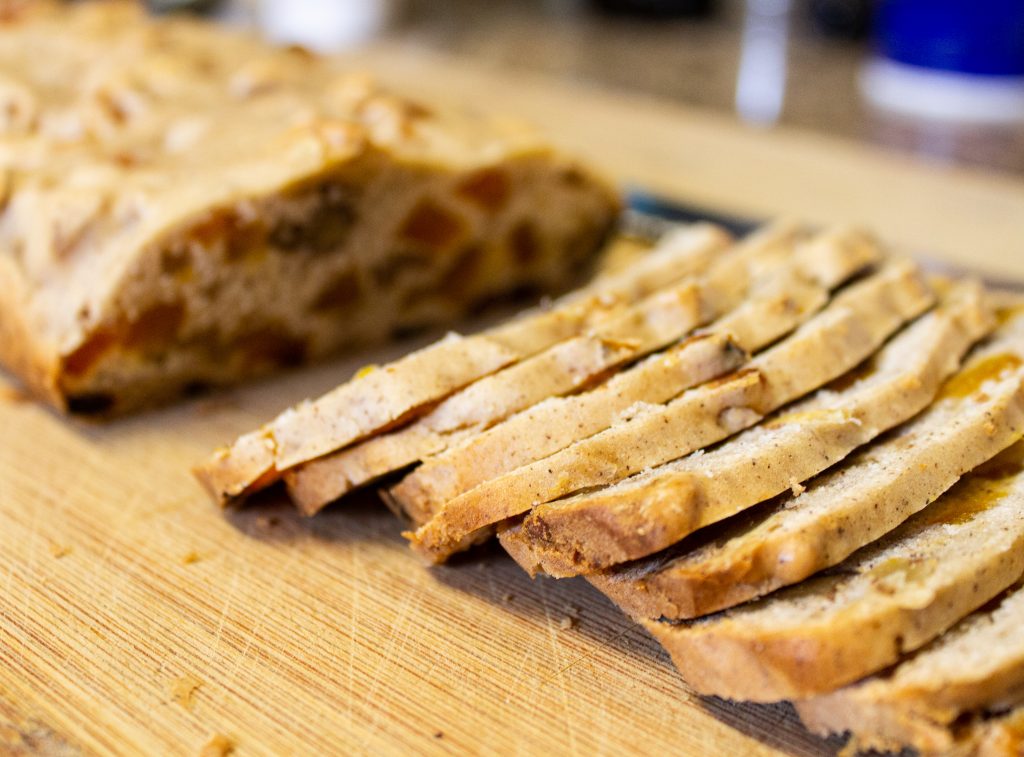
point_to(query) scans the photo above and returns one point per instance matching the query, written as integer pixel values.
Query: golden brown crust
(21, 352)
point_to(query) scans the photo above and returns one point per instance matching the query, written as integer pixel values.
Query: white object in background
(324, 25)
(943, 95)
(761, 80)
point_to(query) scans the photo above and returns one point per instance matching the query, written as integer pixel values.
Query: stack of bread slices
(795, 459)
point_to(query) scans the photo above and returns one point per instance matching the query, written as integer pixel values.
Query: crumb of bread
(59, 550)
(13, 395)
(190, 557)
(184, 688)
(266, 522)
(219, 745)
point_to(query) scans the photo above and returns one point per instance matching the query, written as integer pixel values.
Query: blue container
(982, 37)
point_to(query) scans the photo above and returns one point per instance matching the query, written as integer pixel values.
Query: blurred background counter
(798, 63)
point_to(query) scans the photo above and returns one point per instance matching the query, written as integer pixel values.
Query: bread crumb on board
(59, 550)
(184, 688)
(190, 557)
(219, 745)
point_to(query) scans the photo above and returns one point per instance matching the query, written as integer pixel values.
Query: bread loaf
(378, 400)
(184, 206)
(975, 667)
(660, 319)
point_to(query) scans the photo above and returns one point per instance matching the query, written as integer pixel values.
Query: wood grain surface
(135, 618)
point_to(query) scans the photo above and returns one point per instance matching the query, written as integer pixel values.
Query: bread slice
(828, 345)
(839, 512)
(639, 517)
(976, 666)
(381, 398)
(790, 295)
(660, 319)
(186, 206)
(889, 599)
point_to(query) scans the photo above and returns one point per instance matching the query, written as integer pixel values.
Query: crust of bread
(976, 666)
(591, 532)
(828, 345)
(842, 511)
(411, 386)
(889, 599)
(791, 293)
(21, 351)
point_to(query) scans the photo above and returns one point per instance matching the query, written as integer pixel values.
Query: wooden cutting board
(135, 618)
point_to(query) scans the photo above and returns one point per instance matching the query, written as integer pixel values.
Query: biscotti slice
(971, 420)
(976, 666)
(639, 517)
(377, 399)
(888, 599)
(840, 337)
(659, 319)
(790, 295)
(184, 205)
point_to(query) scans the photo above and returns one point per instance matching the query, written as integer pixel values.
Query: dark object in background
(177, 6)
(842, 19)
(657, 8)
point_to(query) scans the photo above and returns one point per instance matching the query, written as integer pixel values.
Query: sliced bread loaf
(655, 510)
(185, 205)
(840, 337)
(788, 296)
(842, 510)
(381, 398)
(658, 320)
(889, 599)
